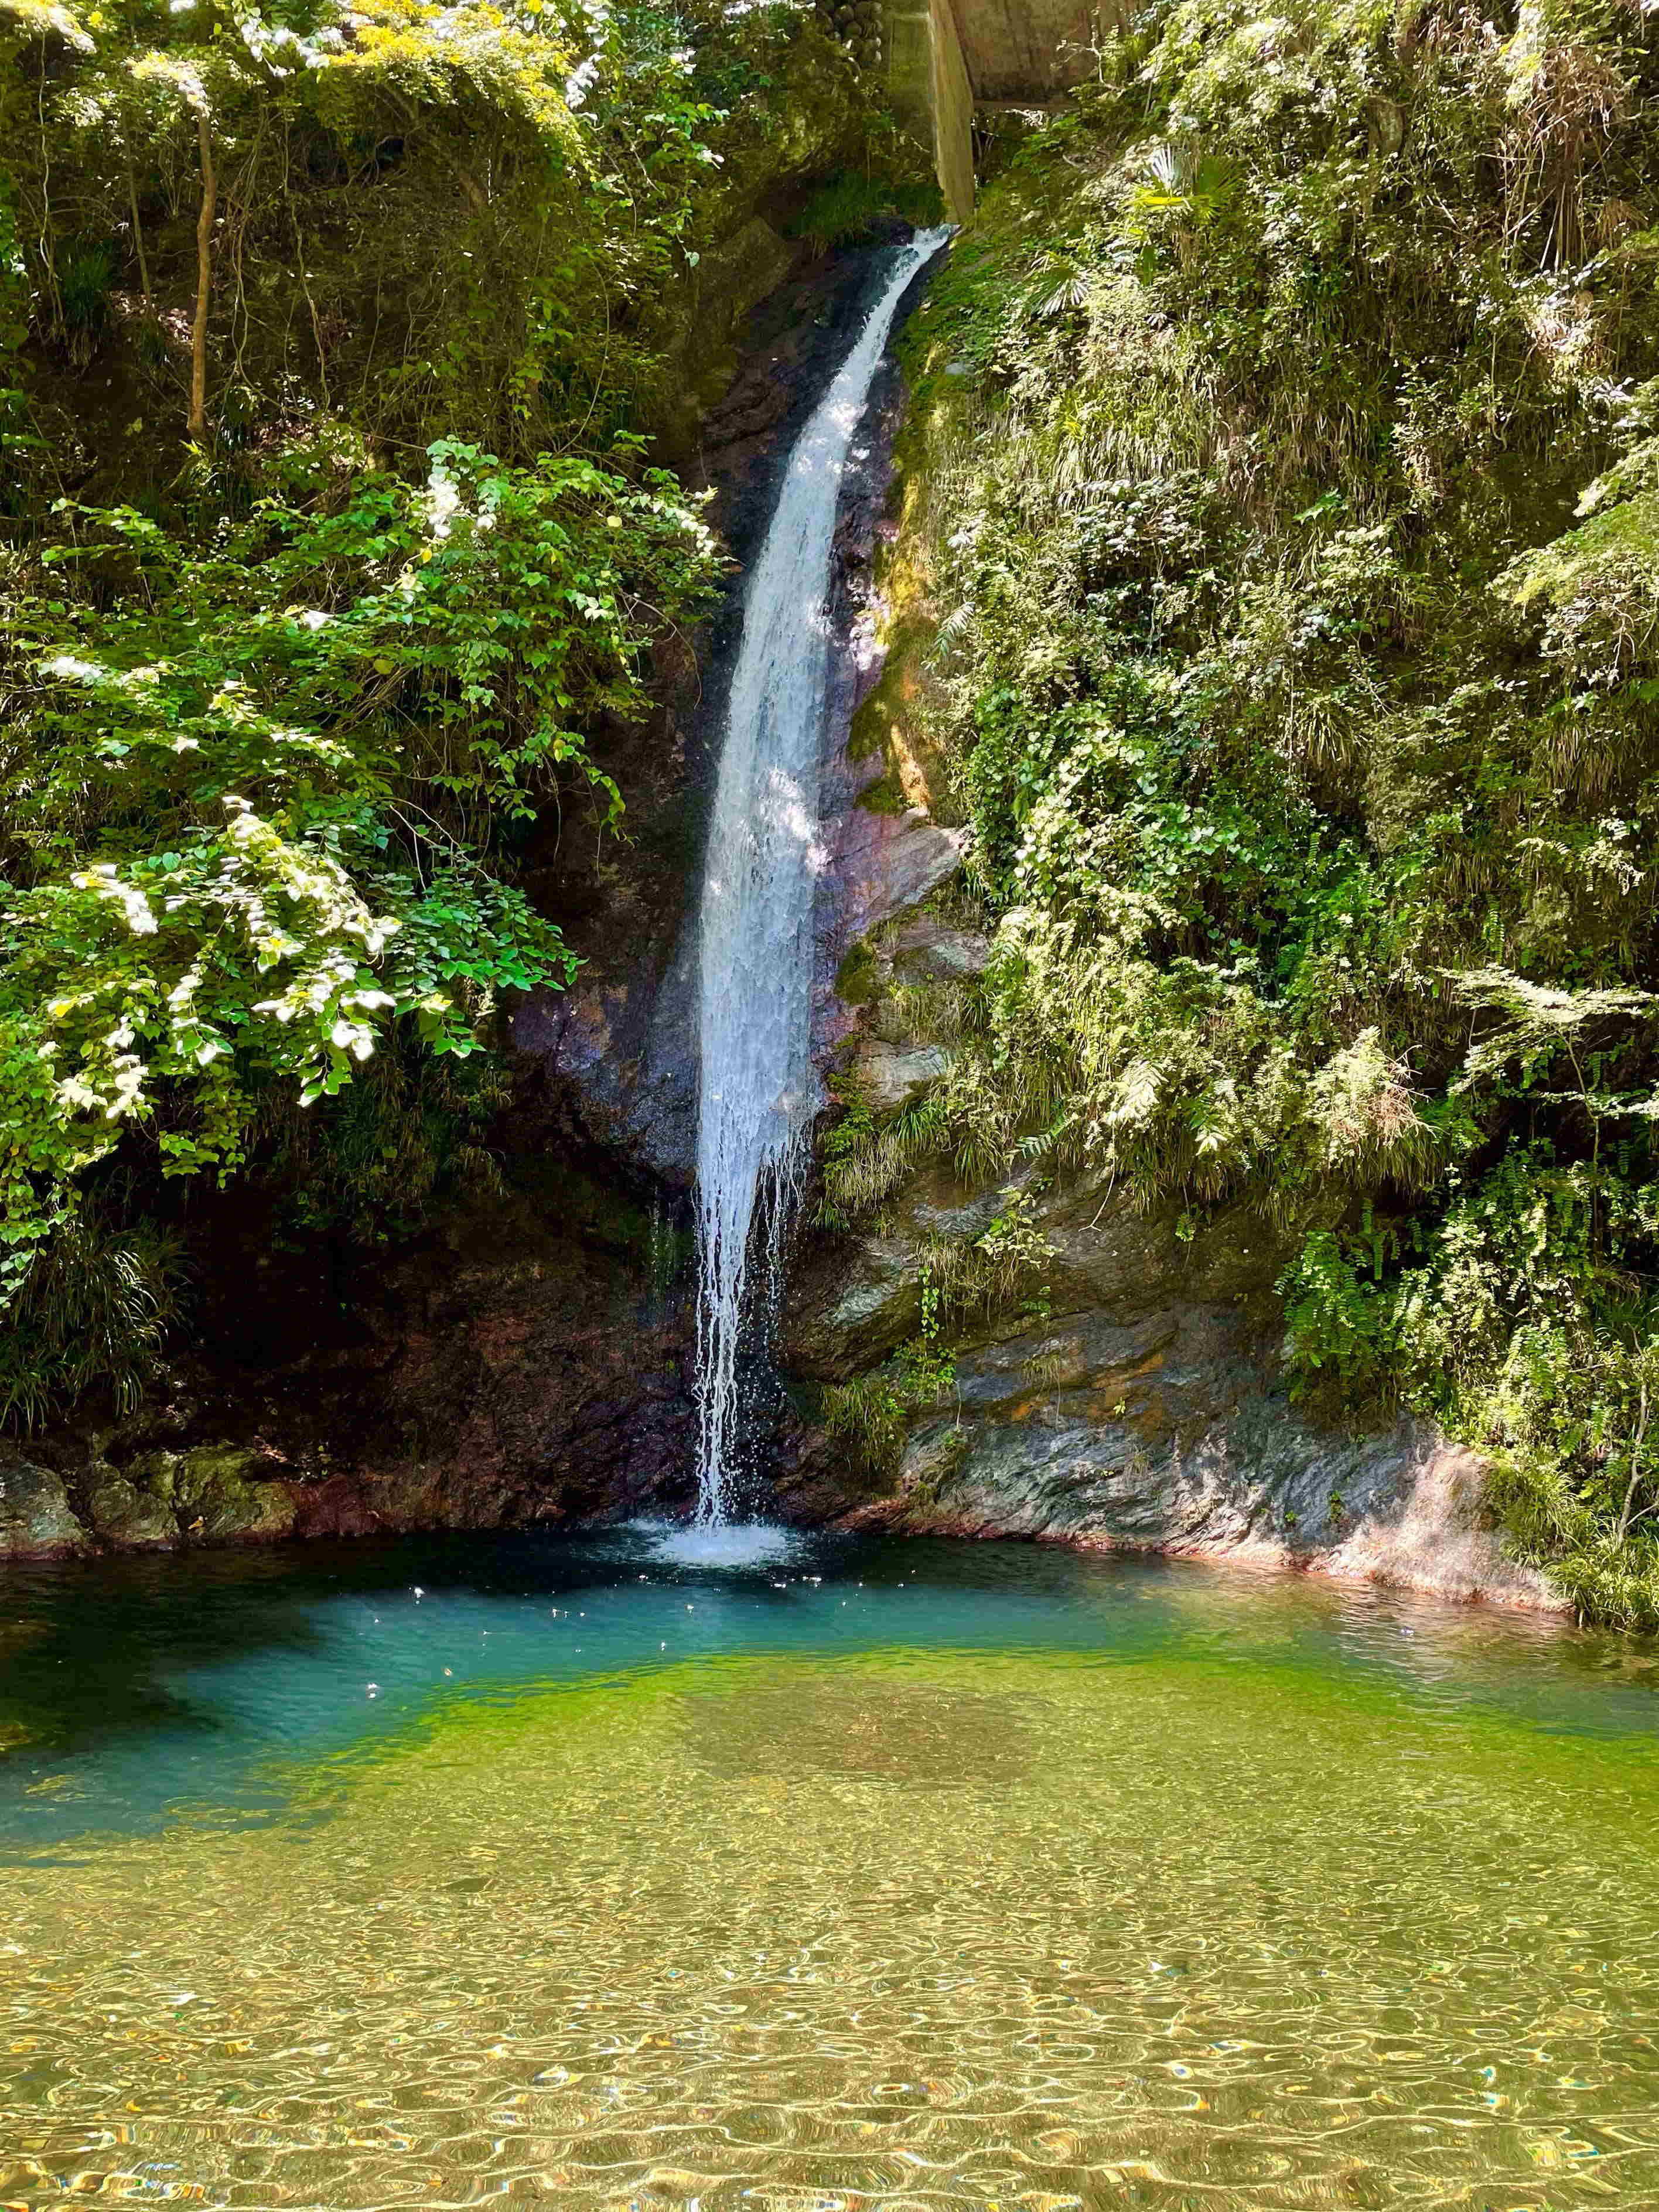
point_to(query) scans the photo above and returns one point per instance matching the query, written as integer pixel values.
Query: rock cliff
(1115, 1386)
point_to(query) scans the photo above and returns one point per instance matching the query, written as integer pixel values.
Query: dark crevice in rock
(620, 1042)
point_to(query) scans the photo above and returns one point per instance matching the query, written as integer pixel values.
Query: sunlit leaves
(256, 796)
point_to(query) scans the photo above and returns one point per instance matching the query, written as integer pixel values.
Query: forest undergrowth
(1283, 494)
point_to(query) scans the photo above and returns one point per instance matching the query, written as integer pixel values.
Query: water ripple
(915, 1930)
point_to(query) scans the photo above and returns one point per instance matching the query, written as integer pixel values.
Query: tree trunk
(203, 283)
(137, 234)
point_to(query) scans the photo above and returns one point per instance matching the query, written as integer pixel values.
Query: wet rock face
(894, 1075)
(127, 1511)
(1136, 1408)
(928, 950)
(1125, 1396)
(527, 1364)
(216, 1492)
(1253, 1484)
(856, 1299)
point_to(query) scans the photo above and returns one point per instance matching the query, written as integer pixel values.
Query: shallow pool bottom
(864, 1875)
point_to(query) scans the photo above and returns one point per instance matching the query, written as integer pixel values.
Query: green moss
(1323, 875)
(858, 979)
(886, 795)
(1620, 546)
(867, 738)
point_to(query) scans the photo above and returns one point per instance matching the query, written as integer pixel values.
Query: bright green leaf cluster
(258, 798)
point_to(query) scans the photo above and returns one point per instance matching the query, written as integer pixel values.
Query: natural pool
(581, 1872)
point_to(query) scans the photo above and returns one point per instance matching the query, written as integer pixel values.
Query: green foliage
(847, 210)
(92, 1309)
(253, 793)
(1340, 1324)
(86, 281)
(259, 799)
(987, 1274)
(441, 219)
(409, 1124)
(259, 796)
(284, 700)
(844, 1144)
(863, 1163)
(1287, 415)
(1529, 1324)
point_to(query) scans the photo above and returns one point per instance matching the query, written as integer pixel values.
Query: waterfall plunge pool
(594, 1872)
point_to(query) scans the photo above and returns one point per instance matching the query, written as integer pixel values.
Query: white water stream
(758, 1091)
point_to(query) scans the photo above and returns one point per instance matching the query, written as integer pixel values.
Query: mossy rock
(216, 1494)
(737, 275)
(129, 1514)
(858, 979)
(887, 795)
(36, 1519)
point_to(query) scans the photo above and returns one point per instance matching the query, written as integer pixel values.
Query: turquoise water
(856, 1874)
(146, 1690)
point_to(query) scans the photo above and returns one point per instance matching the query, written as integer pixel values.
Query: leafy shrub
(847, 210)
(260, 797)
(92, 1310)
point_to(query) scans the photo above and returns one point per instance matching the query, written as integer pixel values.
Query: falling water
(758, 1092)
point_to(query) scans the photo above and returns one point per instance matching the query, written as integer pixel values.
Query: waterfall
(758, 1091)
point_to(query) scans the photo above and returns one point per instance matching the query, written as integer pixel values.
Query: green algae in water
(1242, 1903)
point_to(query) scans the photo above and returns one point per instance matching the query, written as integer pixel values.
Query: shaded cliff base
(526, 1363)
(1401, 1512)
(530, 1364)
